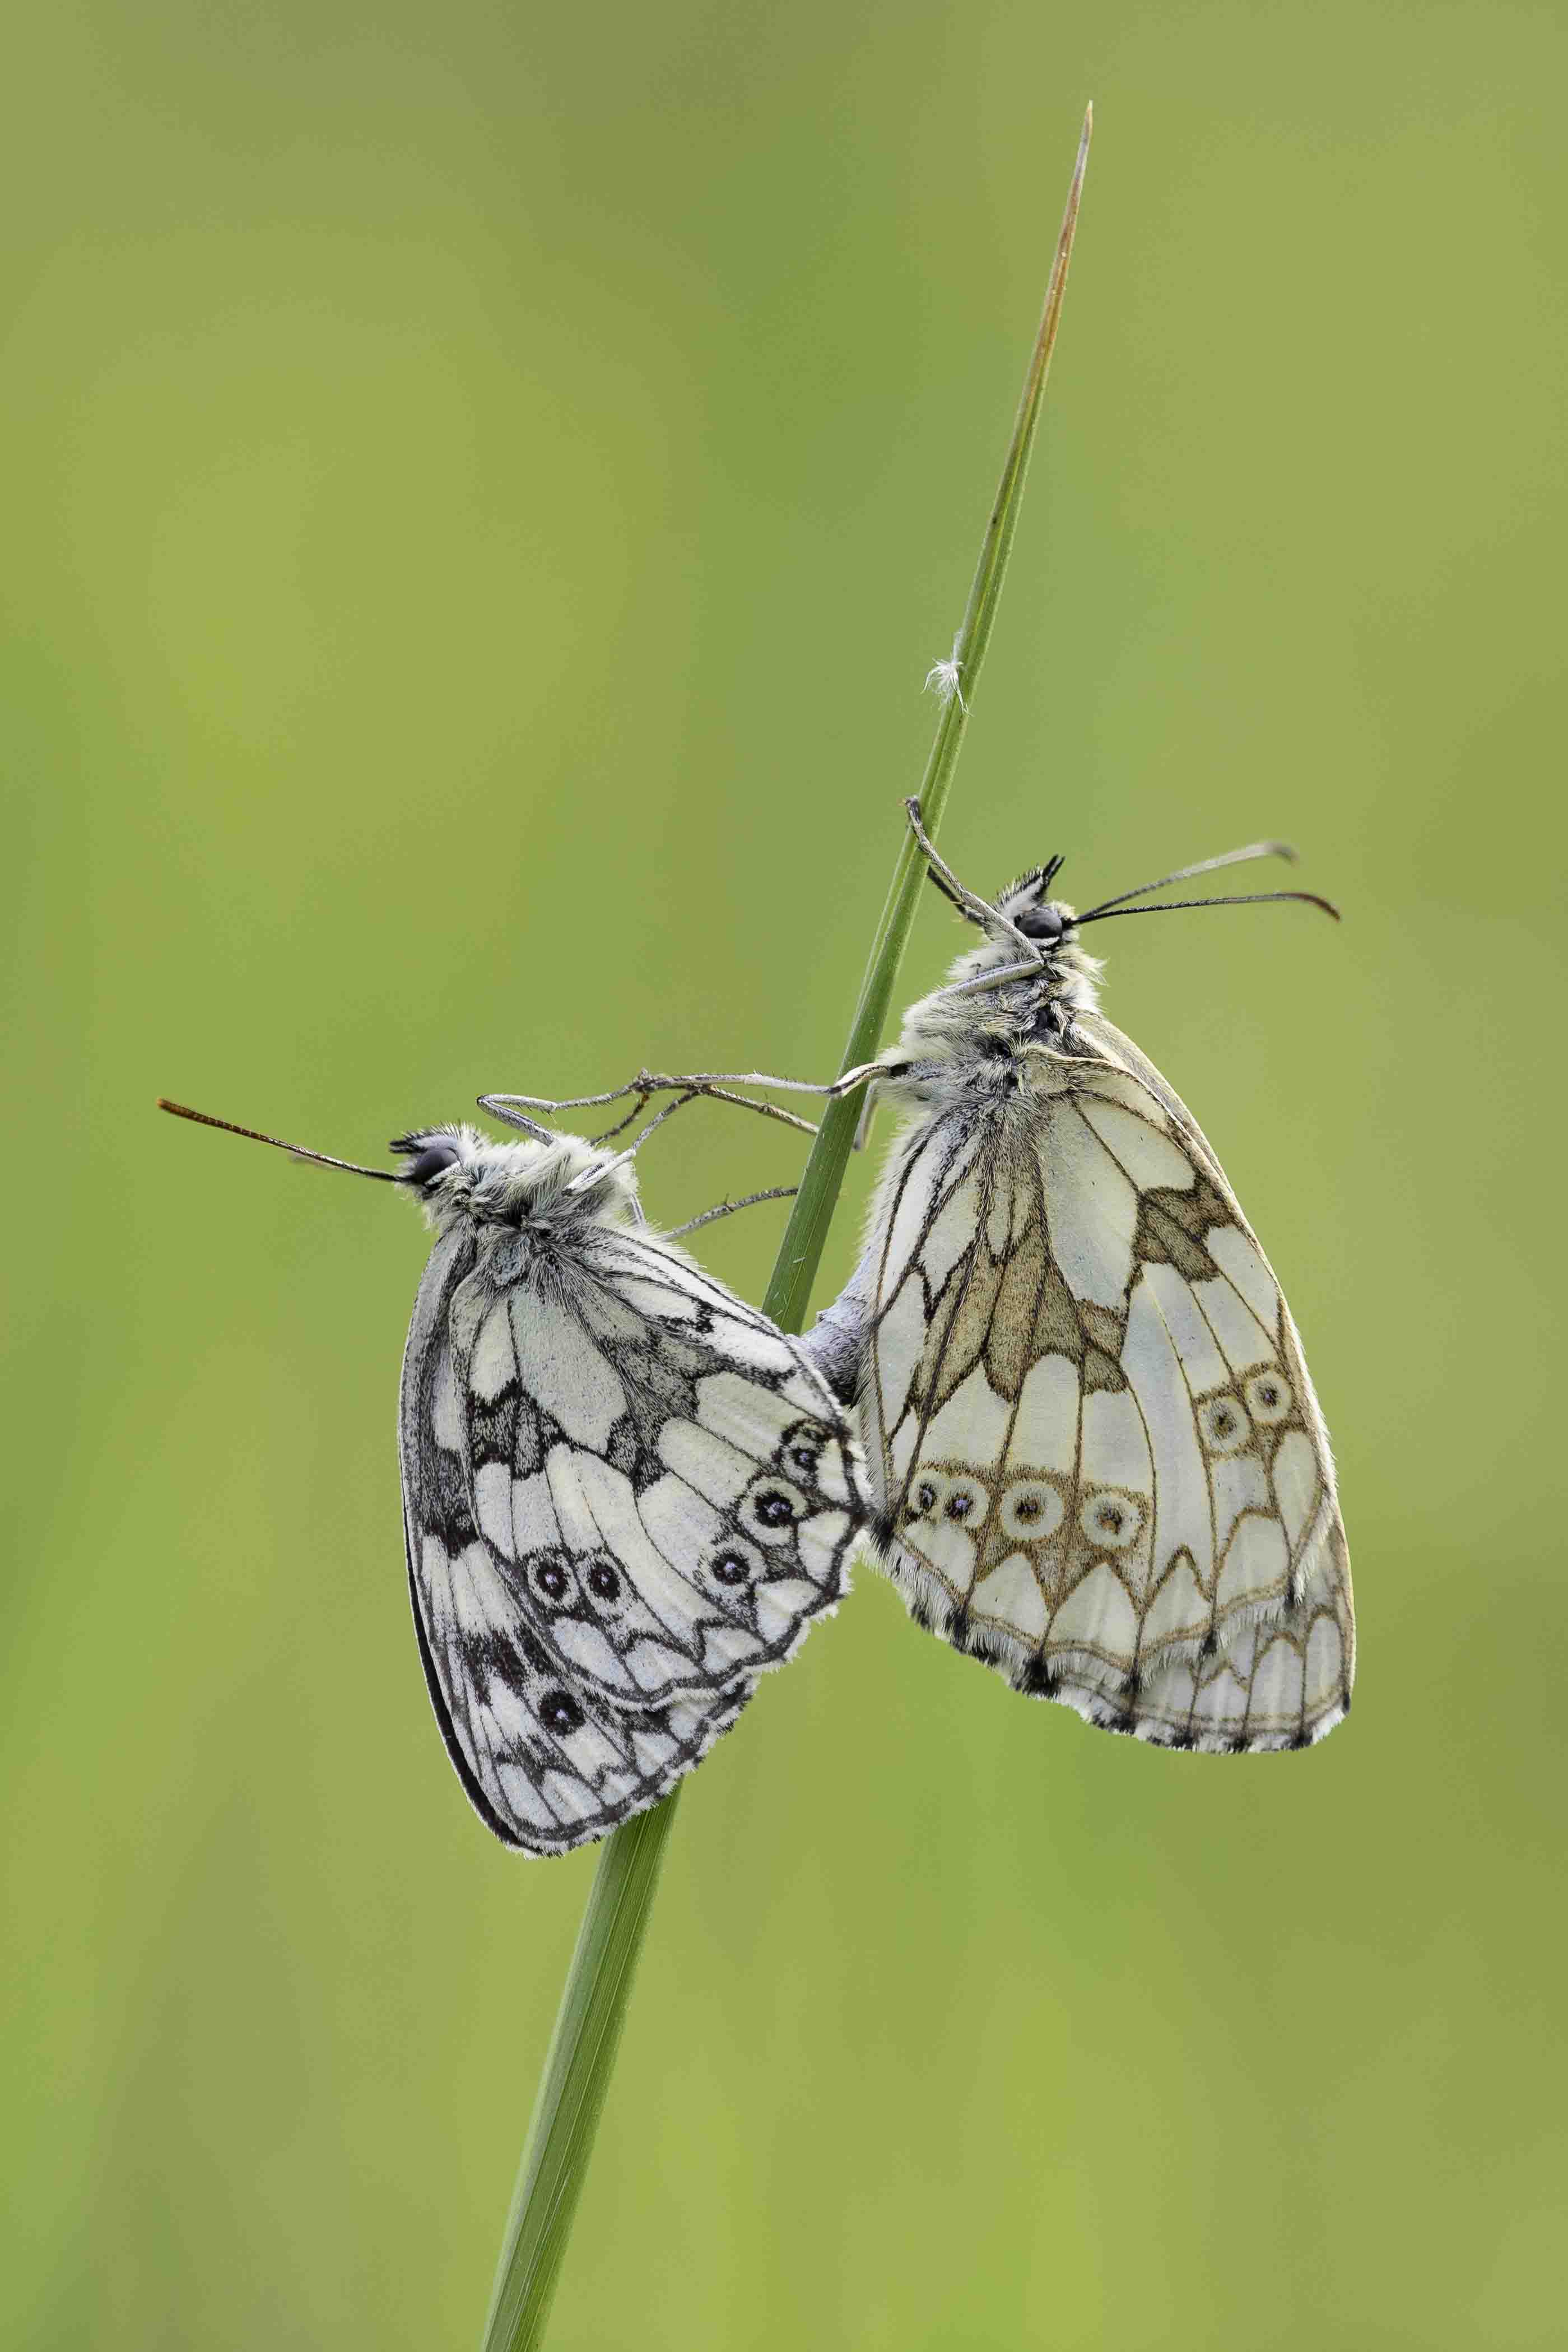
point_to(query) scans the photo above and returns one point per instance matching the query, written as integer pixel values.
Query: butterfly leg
(728, 1208)
(509, 1109)
(868, 1112)
(716, 1085)
(978, 911)
(607, 1134)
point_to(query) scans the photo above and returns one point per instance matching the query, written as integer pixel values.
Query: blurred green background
(482, 490)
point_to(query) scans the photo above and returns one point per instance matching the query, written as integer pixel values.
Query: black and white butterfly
(626, 1493)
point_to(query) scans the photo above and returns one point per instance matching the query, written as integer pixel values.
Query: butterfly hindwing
(1095, 1454)
(627, 1494)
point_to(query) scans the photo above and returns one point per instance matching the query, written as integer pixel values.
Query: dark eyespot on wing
(562, 1712)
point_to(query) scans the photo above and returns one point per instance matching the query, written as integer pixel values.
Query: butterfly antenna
(977, 910)
(1241, 898)
(296, 1151)
(954, 897)
(1203, 866)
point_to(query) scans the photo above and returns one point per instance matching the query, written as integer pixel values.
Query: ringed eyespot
(1269, 1398)
(770, 1508)
(1223, 1425)
(965, 1500)
(1031, 1509)
(1112, 1520)
(602, 1581)
(801, 1449)
(552, 1576)
(561, 1713)
(734, 1564)
(927, 1496)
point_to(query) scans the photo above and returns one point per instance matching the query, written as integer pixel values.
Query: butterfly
(1095, 1456)
(626, 1493)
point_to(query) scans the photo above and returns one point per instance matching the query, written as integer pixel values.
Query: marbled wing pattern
(626, 1496)
(1095, 1457)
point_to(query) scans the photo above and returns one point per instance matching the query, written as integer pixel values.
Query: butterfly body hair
(515, 1183)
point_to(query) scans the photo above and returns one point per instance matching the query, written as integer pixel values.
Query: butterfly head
(1030, 954)
(457, 1172)
(1028, 905)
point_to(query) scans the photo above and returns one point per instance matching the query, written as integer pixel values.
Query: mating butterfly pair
(1061, 1399)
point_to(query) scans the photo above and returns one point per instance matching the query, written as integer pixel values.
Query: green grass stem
(592, 2012)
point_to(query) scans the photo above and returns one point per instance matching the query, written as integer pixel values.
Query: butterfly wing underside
(1095, 1454)
(625, 1496)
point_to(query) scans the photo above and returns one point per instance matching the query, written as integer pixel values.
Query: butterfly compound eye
(1042, 922)
(433, 1161)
